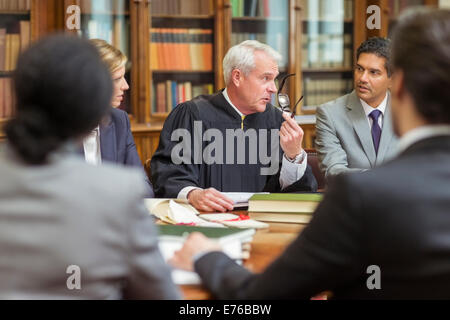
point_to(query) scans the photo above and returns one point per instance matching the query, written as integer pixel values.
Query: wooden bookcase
(142, 27)
(21, 22)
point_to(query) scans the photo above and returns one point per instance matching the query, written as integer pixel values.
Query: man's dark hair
(381, 47)
(421, 49)
(63, 89)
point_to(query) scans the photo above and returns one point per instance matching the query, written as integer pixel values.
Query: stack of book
(234, 243)
(181, 49)
(168, 94)
(15, 5)
(284, 207)
(6, 98)
(11, 44)
(185, 7)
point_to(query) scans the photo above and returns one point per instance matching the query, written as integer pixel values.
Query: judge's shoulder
(197, 108)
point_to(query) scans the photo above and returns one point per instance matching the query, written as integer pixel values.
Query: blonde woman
(112, 140)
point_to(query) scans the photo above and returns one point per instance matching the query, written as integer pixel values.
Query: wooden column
(295, 50)
(140, 68)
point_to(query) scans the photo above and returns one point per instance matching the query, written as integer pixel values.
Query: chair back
(313, 161)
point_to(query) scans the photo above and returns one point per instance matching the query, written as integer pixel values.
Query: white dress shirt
(91, 145)
(290, 171)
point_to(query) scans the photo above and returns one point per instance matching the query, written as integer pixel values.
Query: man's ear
(397, 85)
(236, 77)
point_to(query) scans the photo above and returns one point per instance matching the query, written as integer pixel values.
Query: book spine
(2, 98)
(2, 49)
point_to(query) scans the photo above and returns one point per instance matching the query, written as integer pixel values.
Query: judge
(234, 140)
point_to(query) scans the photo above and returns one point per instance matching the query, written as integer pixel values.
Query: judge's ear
(236, 77)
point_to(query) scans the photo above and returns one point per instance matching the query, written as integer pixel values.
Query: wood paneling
(146, 138)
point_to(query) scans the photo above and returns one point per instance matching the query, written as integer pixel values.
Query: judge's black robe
(215, 112)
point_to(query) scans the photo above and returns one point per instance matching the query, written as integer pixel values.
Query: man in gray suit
(354, 132)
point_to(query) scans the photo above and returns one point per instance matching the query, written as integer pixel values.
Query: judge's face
(120, 85)
(371, 79)
(256, 88)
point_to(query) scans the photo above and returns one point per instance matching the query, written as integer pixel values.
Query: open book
(179, 212)
(171, 239)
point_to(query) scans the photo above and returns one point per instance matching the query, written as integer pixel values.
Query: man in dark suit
(378, 234)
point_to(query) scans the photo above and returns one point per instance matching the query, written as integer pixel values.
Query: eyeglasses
(283, 98)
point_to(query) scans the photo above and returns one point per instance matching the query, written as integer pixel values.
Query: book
(284, 202)
(284, 207)
(2, 49)
(171, 238)
(281, 217)
(24, 35)
(2, 98)
(222, 235)
(234, 220)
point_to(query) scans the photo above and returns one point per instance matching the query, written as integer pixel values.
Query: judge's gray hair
(241, 56)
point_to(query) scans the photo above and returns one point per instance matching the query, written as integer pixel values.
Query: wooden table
(266, 246)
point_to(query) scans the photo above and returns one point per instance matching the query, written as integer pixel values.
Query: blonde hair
(113, 57)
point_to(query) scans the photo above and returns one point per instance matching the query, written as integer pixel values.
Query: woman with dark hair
(69, 229)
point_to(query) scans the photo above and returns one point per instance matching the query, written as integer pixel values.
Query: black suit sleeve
(307, 183)
(326, 256)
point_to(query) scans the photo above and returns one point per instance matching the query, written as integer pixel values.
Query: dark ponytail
(63, 89)
(30, 135)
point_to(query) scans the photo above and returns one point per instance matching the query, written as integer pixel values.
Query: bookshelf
(181, 54)
(108, 20)
(328, 44)
(317, 38)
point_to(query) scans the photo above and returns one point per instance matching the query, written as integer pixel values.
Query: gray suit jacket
(71, 213)
(344, 140)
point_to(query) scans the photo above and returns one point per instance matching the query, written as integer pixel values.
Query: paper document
(240, 199)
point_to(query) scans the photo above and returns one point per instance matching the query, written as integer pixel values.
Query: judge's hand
(291, 137)
(209, 200)
(196, 243)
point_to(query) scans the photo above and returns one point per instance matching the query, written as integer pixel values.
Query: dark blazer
(396, 217)
(117, 144)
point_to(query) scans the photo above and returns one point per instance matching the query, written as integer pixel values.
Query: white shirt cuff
(185, 191)
(291, 172)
